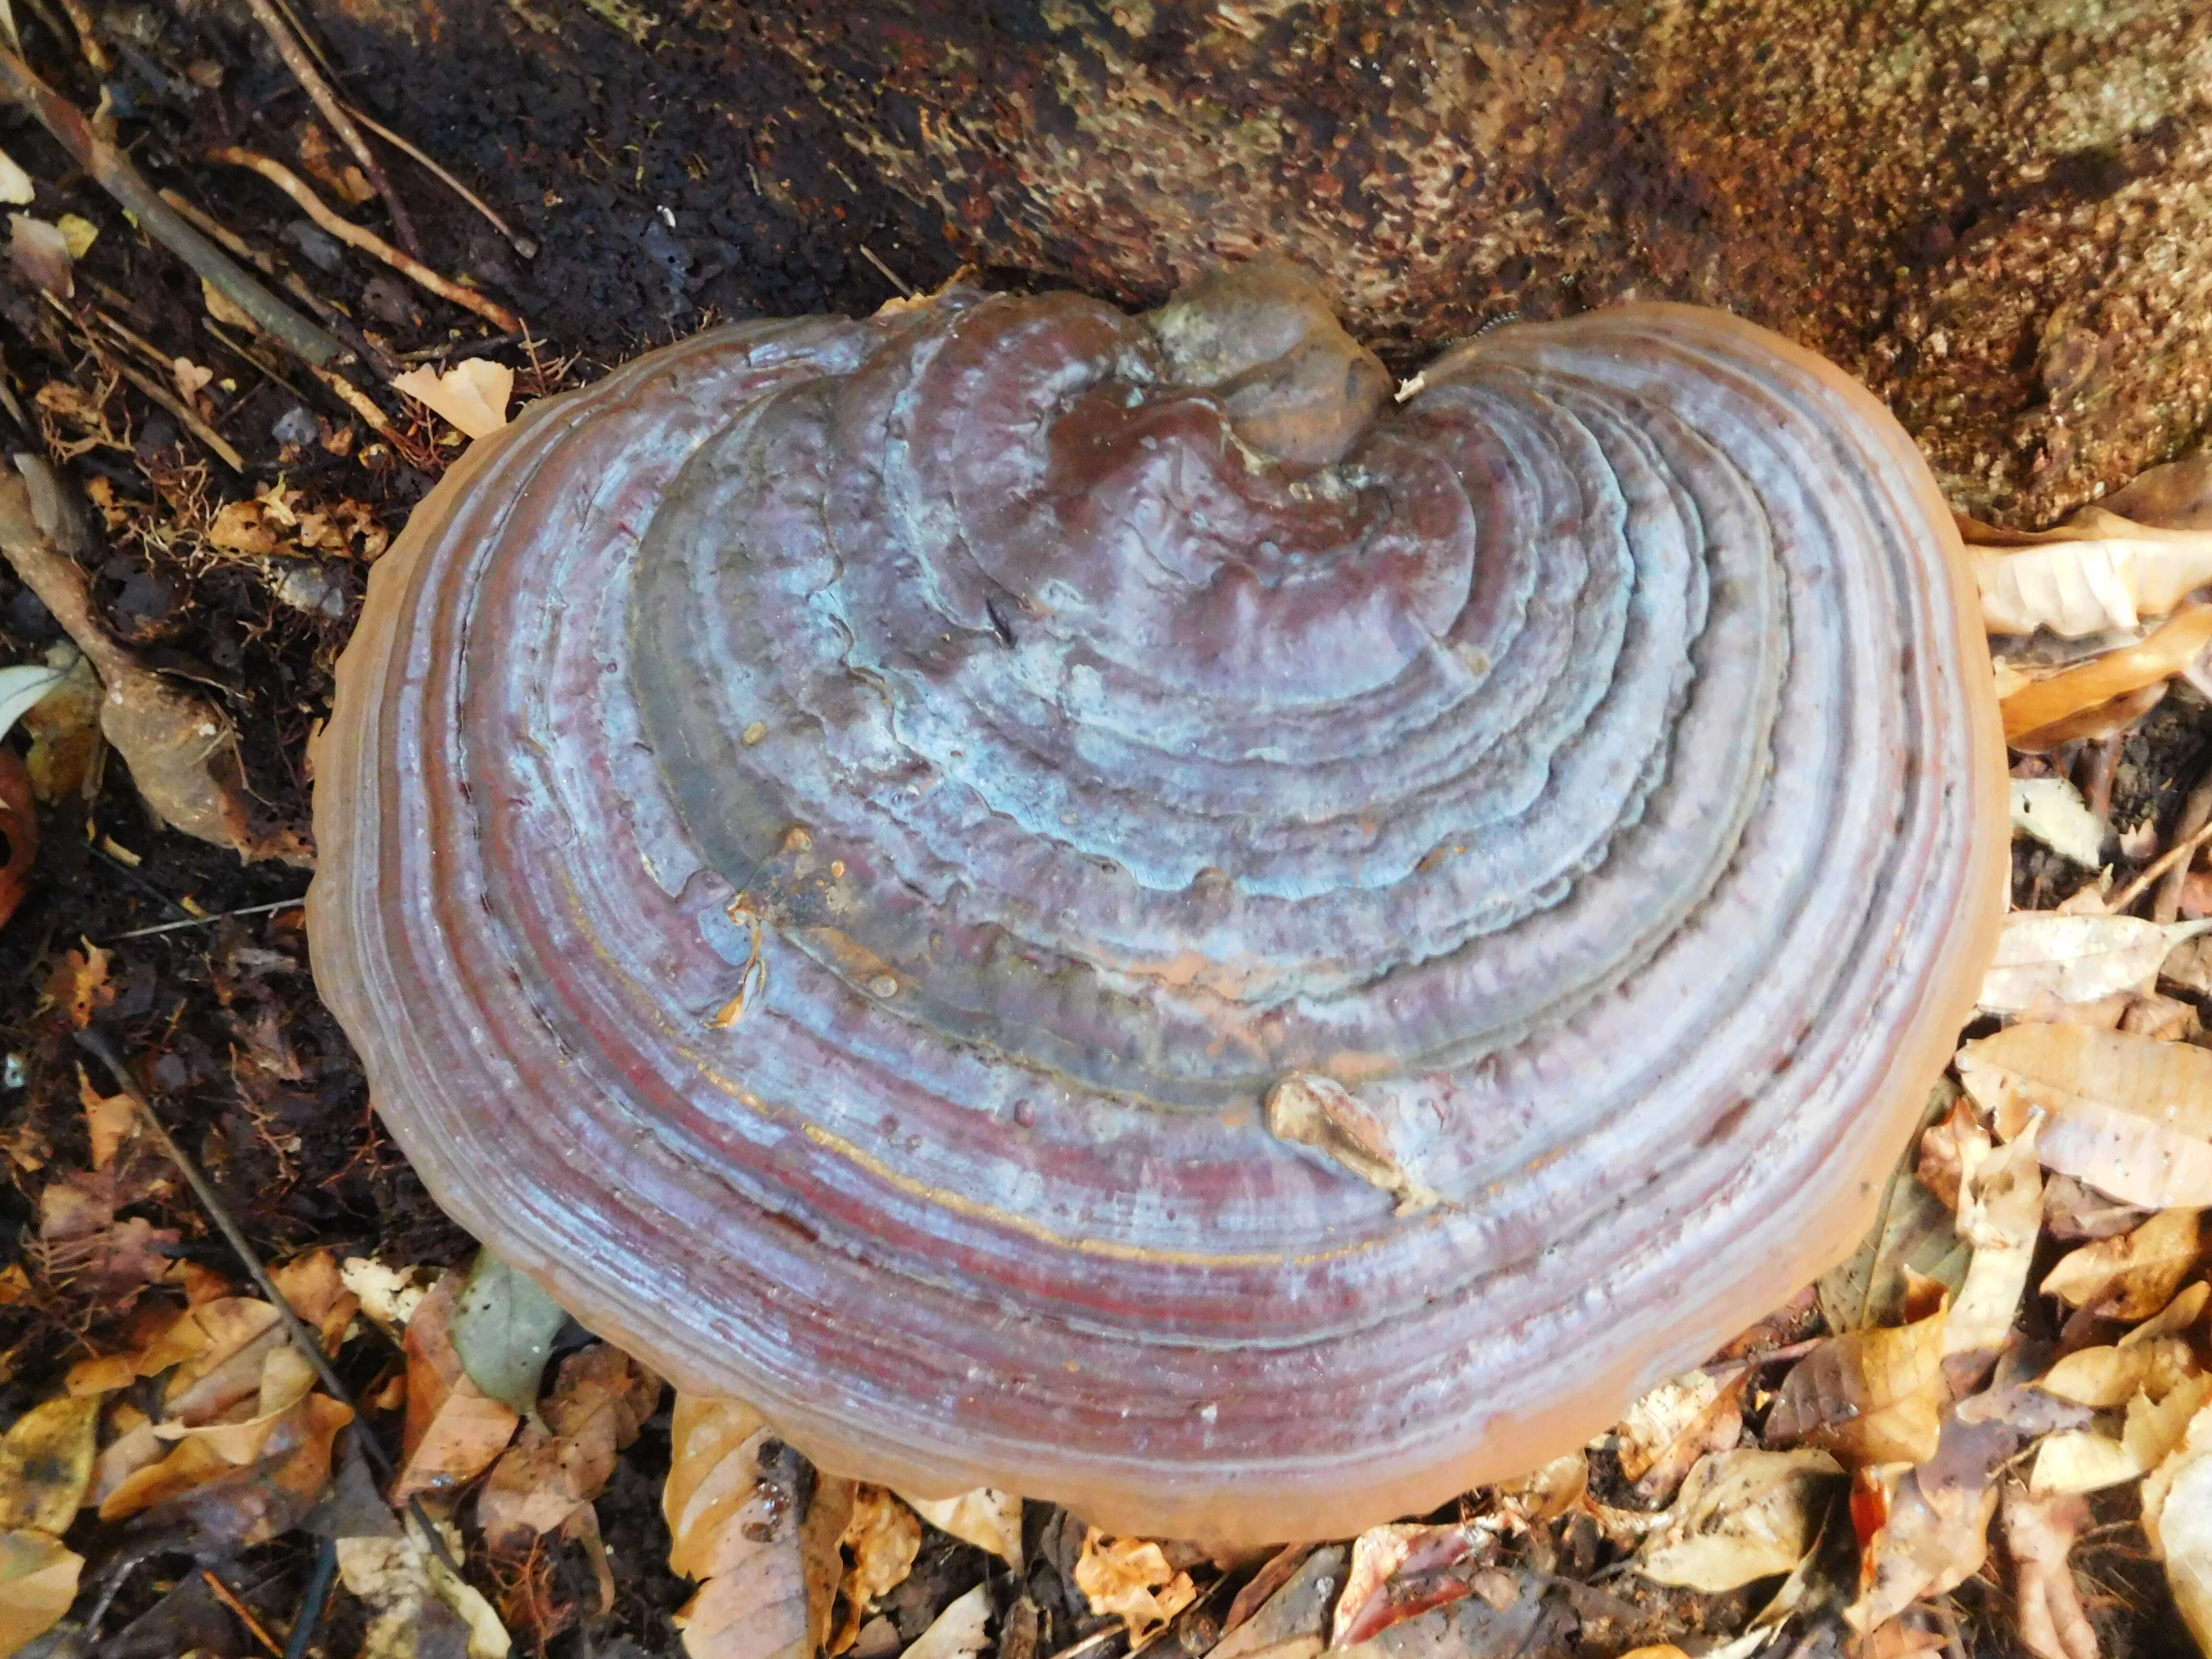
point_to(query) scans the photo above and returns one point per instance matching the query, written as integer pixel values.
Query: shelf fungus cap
(1092, 904)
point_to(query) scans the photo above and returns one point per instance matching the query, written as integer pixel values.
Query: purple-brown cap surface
(1090, 903)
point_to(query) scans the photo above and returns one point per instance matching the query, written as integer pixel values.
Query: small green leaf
(502, 1330)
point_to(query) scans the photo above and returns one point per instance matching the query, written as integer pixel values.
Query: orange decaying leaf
(2165, 653)
(454, 1429)
(1871, 1396)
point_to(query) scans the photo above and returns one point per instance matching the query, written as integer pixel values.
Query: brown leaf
(1742, 1514)
(741, 1517)
(2169, 649)
(46, 1465)
(1130, 1577)
(1401, 1571)
(19, 827)
(312, 1286)
(1871, 1396)
(181, 750)
(38, 1583)
(600, 1400)
(1668, 1430)
(2133, 1276)
(2000, 1214)
(2039, 1533)
(473, 395)
(881, 1541)
(454, 1429)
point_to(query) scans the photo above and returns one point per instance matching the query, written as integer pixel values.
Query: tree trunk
(1996, 212)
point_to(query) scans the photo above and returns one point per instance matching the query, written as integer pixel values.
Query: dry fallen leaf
(417, 1604)
(882, 1538)
(562, 1462)
(1742, 1516)
(2051, 810)
(2177, 1519)
(454, 1429)
(2129, 1114)
(1402, 1570)
(38, 1581)
(46, 1465)
(1871, 1396)
(1130, 1577)
(473, 395)
(2039, 1533)
(2132, 1276)
(1667, 1430)
(2096, 572)
(2000, 1214)
(40, 254)
(989, 1519)
(2169, 649)
(958, 1632)
(770, 1563)
(181, 750)
(2045, 956)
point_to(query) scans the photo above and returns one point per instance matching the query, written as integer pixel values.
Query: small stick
(310, 1344)
(245, 1614)
(318, 1595)
(303, 71)
(523, 245)
(890, 275)
(366, 240)
(361, 403)
(112, 170)
(2195, 813)
(205, 922)
(2177, 854)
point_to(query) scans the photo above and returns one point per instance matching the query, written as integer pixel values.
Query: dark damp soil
(654, 192)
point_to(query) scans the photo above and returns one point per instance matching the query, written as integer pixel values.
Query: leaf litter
(2020, 1342)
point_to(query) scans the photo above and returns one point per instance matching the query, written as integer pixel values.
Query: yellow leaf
(473, 395)
(38, 1581)
(46, 1464)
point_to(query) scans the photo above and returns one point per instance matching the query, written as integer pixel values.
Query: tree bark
(1996, 212)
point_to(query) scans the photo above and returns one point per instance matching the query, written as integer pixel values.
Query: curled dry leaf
(881, 1541)
(2097, 571)
(2000, 1214)
(417, 1604)
(38, 1581)
(454, 1429)
(1925, 1530)
(2169, 650)
(2177, 1519)
(2044, 955)
(1669, 1429)
(1295, 1612)
(989, 1519)
(1870, 1396)
(751, 1519)
(2052, 811)
(565, 1458)
(1132, 1578)
(2134, 1275)
(1742, 1516)
(958, 1633)
(2129, 1116)
(473, 395)
(2038, 1534)
(181, 750)
(2106, 1377)
(1402, 1570)
(2175, 496)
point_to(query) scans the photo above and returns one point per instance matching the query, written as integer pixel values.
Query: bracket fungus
(1090, 903)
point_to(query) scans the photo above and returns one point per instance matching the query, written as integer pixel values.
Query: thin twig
(112, 170)
(366, 240)
(311, 78)
(2177, 854)
(245, 1614)
(318, 1594)
(309, 1342)
(207, 921)
(890, 275)
(2195, 813)
(523, 245)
